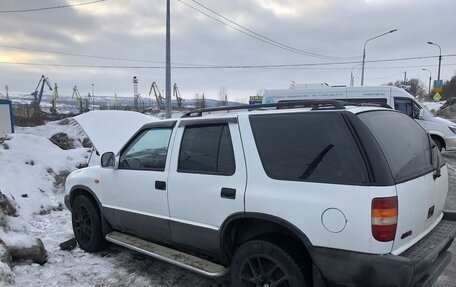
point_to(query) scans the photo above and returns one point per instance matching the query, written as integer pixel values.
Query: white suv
(307, 193)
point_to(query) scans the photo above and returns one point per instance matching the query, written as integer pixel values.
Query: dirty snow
(433, 105)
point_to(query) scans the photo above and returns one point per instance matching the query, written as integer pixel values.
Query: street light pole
(364, 52)
(440, 58)
(430, 79)
(168, 62)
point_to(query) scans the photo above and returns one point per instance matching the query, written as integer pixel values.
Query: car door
(206, 182)
(136, 199)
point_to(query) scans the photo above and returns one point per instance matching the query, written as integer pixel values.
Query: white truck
(442, 131)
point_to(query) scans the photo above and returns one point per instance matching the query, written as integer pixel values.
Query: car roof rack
(313, 104)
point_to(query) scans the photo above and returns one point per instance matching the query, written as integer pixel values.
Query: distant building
(6, 117)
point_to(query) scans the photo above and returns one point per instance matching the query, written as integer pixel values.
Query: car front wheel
(87, 225)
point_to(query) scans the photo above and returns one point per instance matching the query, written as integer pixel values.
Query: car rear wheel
(262, 263)
(87, 225)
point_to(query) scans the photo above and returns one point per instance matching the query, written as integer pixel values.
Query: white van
(442, 131)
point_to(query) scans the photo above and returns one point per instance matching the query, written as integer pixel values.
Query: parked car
(310, 193)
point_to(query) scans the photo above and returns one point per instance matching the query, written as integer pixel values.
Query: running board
(181, 259)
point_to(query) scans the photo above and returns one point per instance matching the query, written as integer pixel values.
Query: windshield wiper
(313, 165)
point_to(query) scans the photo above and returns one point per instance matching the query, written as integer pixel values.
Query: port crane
(38, 93)
(83, 105)
(158, 97)
(177, 94)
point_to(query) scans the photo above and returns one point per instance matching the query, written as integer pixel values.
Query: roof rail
(313, 104)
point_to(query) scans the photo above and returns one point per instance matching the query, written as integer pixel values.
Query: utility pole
(440, 58)
(135, 93)
(430, 79)
(168, 62)
(6, 91)
(405, 77)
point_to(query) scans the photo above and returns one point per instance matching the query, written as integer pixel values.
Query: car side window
(148, 151)
(312, 147)
(407, 106)
(207, 149)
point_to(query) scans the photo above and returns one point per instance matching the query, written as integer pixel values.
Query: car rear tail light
(384, 218)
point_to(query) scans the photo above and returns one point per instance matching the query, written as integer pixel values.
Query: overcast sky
(135, 30)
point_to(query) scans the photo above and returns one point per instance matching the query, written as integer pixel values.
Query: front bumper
(450, 143)
(420, 265)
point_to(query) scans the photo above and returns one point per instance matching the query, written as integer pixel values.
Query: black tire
(87, 225)
(262, 263)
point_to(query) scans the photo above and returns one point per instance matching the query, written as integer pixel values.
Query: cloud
(135, 30)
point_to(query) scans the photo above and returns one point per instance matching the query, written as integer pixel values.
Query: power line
(91, 56)
(268, 38)
(358, 70)
(260, 37)
(277, 66)
(50, 8)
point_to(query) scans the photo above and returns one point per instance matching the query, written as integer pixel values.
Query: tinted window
(148, 151)
(405, 144)
(207, 149)
(316, 147)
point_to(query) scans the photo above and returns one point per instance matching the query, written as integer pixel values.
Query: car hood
(110, 130)
(443, 121)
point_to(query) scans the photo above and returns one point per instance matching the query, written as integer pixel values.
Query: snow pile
(434, 107)
(28, 171)
(32, 170)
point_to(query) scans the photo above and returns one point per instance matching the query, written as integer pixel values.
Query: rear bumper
(420, 265)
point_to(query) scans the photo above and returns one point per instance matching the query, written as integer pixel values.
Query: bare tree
(413, 86)
(449, 88)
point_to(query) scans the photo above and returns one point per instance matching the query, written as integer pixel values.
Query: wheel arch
(439, 138)
(79, 190)
(242, 227)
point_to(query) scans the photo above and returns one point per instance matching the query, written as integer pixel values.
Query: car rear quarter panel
(303, 204)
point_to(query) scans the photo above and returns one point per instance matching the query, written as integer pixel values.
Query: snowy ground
(433, 105)
(115, 266)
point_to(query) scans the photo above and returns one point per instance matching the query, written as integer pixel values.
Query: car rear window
(405, 144)
(313, 147)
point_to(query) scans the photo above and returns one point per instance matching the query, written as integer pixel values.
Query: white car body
(190, 211)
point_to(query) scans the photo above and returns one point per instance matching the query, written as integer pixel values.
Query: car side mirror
(108, 159)
(421, 115)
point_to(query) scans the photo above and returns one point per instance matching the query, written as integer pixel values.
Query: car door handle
(229, 193)
(160, 185)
